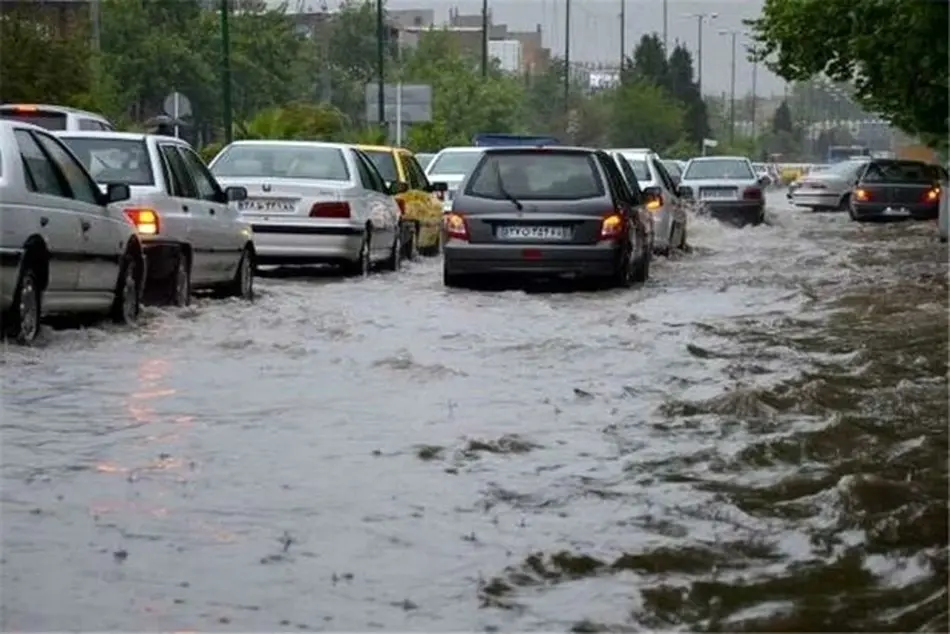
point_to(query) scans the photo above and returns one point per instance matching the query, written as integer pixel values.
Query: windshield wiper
(505, 192)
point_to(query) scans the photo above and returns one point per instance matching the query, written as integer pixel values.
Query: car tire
(22, 321)
(179, 287)
(845, 203)
(641, 267)
(127, 304)
(622, 276)
(394, 261)
(410, 246)
(362, 266)
(242, 285)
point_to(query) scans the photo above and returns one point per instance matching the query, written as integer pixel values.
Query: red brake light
(862, 194)
(612, 226)
(455, 226)
(402, 206)
(330, 210)
(26, 108)
(752, 193)
(145, 220)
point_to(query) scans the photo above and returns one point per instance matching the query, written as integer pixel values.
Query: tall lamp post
(623, 34)
(226, 71)
(733, 35)
(381, 63)
(701, 19)
(567, 56)
(485, 38)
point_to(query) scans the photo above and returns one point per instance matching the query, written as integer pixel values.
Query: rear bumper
(301, 243)
(462, 258)
(896, 210)
(816, 199)
(736, 212)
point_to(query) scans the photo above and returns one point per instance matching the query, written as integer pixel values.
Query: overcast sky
(595, 29)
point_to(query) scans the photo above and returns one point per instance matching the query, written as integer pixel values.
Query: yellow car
(420, 203)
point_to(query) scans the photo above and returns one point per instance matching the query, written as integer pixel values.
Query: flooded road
(756, 440)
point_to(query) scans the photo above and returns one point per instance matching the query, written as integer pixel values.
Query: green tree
(644, 115)
(782, 119)
(649, 61)
(681, 85)
(894, 51)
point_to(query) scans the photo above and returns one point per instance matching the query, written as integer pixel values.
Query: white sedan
(191, 236)
(314, 203)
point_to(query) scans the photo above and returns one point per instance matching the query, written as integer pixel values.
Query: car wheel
(394, 261)
(410, 246)
(362, 265)
(127, 303)
(242, 285)
(845, 203)
(641, 267)
(180, 286)
(22, 321)
(623, 273)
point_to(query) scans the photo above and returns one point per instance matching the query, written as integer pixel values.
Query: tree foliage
(895, 53)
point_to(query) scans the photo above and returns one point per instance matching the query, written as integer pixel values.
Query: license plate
(718, 195)
(267, 205)
(897, 212)
(534, 233)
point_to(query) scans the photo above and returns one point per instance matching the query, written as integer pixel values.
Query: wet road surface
(755, 441)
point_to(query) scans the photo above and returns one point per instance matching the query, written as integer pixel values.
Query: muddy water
(756, 440)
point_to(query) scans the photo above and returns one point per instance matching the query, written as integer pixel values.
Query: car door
(623, 199)
(53, 218)
(669, 194)
(102, 240)
(418, 180)
(379, 204)
(183, 192)
(222, 237)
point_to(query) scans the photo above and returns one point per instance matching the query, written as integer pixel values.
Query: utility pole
(567, 56)
(732, 87)
(700, 20)
(95, 11)
(755, 92)
(485, 38)
(226, 71)
(381, 63)
(666, 27)
(623, 35)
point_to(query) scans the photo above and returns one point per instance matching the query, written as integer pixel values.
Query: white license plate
(534, 233)
(896, 212)
(268, 205)
(714, 195)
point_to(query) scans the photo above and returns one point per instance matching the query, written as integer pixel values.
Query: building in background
(508, 53)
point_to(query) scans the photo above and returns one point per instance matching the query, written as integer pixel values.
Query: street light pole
(623, 34)
(755, 93)
(666, 27)
(700, 20)
(484, 38)
(226, 71)
(732, 92)
(380, 63)
(567, 56)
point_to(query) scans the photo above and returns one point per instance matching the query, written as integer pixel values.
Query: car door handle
(184, 208)
(44, 221)
(85, 224)
(211, 211)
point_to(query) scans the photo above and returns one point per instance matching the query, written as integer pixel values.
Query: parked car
(56, 118)
(450, 166)
(193, 239)
(828, 189)
(893, 188)
(669, 215)
(545, 212)
(314, 203)
(727, 187)
(420, 204)
(63, 248)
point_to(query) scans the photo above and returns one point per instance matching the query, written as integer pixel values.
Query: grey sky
(595, 30)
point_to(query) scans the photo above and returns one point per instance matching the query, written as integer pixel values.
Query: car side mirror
(235, 194)
(438, 188)
(117, 192)
(684, 191)
(652, 192)
(398, 187)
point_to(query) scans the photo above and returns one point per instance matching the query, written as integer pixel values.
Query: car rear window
(42, 118)
(640, 167)
(900, 172)
(122, 161)
(385, 162)
(454, 163)
(719, 169)
(536, 175)
(281, 161)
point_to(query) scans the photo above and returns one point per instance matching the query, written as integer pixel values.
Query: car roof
(719, 158)
(7, 123)
(120, 136)
(312, 144)
(462, 148)
(634, 150)
(540, 149)
(52, 108)
(379, 148)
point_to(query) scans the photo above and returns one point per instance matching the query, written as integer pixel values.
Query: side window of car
(182, 184)
(366, 177)
(89, 124)
(40, 173)
(664, 175)
(369, 174)
(207, 186)
(80, 183)
(631, 177)
(618, 190)
(415, 173)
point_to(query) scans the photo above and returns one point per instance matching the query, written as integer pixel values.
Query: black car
(546, 212)
(891, 188)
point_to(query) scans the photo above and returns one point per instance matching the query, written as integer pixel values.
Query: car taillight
(612, 226)
(752, 193)
(330, 210)
(654, 202)
(402, 206)
(932, 195)
(455, 226)
(145, 220)
(862, 194)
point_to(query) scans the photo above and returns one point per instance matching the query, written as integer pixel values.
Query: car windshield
(845, 169)
(282, 161)
(672, 167)
(639, 166)
(900, 172)
(718, 169)
(537, 175)
(454, 163)
(42, 118)
(385, 162)
(120, 161)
